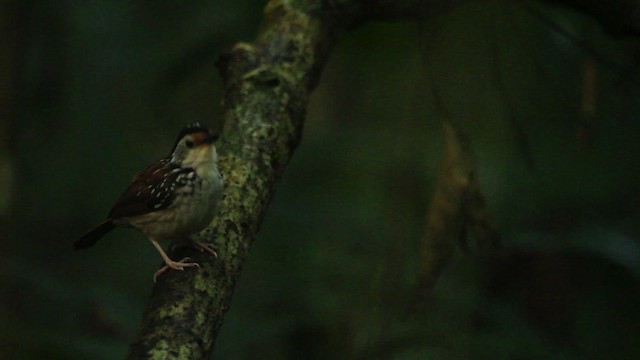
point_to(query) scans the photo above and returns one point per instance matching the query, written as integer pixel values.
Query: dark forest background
(93, 91)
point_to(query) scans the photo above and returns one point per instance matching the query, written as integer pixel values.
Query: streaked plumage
(171, 199)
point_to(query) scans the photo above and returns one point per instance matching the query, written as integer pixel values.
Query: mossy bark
(267, 87)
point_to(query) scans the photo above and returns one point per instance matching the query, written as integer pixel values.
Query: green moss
(201, 319)
(266, 93)
(172, 311)
(160, 351)
(202, 285)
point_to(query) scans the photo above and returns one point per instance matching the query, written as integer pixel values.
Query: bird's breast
(193, 209)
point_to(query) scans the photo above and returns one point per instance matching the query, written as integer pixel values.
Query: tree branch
(267, 87)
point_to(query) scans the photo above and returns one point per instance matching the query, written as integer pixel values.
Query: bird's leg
(176, 265)
(206, 247)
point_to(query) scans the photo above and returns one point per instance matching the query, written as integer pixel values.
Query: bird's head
(194, 147)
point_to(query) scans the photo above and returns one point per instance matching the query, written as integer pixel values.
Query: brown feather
(151, 190)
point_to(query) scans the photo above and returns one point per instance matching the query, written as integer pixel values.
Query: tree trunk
(267, 87)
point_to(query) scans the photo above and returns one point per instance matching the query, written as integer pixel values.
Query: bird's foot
(206, 247)
(175, 265)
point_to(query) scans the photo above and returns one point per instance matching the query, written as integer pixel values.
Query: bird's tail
(94, 235)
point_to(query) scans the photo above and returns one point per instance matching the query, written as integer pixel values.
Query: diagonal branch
(267, 87)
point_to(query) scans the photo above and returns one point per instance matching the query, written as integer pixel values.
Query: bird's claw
(206, 247)
(175, 265)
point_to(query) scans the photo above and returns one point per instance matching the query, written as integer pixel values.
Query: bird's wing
(151, 190)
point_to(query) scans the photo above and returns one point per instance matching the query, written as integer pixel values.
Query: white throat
(204, 160)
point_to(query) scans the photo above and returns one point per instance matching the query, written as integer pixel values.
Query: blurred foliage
(102, 87)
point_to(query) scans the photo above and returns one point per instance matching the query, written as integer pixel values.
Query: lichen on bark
(267, 87)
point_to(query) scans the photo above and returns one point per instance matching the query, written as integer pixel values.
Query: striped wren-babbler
(173, 199)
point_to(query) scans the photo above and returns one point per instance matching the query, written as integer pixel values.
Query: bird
(172, 199)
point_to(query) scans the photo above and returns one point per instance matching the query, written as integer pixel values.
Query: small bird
(172, 199)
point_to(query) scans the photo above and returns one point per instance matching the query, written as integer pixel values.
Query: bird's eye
(189, 143)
